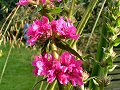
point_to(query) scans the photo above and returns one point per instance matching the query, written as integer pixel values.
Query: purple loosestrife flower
(23, 2)
(40, 29)
(65, 29)
(66, 69)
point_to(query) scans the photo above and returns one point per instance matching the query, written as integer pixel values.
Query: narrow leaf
(117, 42)
(95, 82)
(112, 68)
(51, 86)
(38, 83)
(63, 45)
(39, 8)
(55, 10)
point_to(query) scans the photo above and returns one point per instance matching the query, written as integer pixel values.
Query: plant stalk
(71, 9)
(51, 86)
(95, 25)
(6, 61)
(98, 70)
(85, 18)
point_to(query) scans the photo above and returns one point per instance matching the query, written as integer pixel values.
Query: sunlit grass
(18, 74)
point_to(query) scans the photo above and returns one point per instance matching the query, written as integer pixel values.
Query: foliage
(95, 46)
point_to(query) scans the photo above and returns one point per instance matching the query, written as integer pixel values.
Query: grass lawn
(18, 74)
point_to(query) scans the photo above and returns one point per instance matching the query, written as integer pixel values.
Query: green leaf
(39, 8)
(118, 22)
(110, 28)
(112, 68)
(51, 86)
(23, 18)
(44, 46)
(0, 53)
(117, 42)
(61, 87)
(113, 16)
(55, 10)
(63, 45)
(109, 61)
(95, 82)
(45, 79)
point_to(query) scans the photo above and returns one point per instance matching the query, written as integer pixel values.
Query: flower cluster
(66, 69)
(65, 29)
(25, 2)
(42, 29)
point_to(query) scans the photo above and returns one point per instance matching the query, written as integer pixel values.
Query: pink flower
(40, 29)
(67, 69)
(42, 64)
(65, 29)
(74, 69)
(22, 2)
(43, 2)
(59, 0)
(63, 78)
(54, 71)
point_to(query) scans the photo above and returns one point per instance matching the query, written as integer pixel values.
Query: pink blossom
(63, 78)
(59, 0)
(43, 2)
(25, 2)
(74, 69)
(54, 71)
(42, 64)
(22, 2)
(54, 0)
(66, 69)
(65, 29)
(40, 29)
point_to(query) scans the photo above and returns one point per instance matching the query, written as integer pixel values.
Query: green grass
(18, 74)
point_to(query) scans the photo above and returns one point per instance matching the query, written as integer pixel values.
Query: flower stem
(85, 18)
(71, 9)
(82, 87)
(41, 85)
(54, 48)
(95, 25)
(54, 51)
(60, 86)
(102, 87)
(51, 86)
